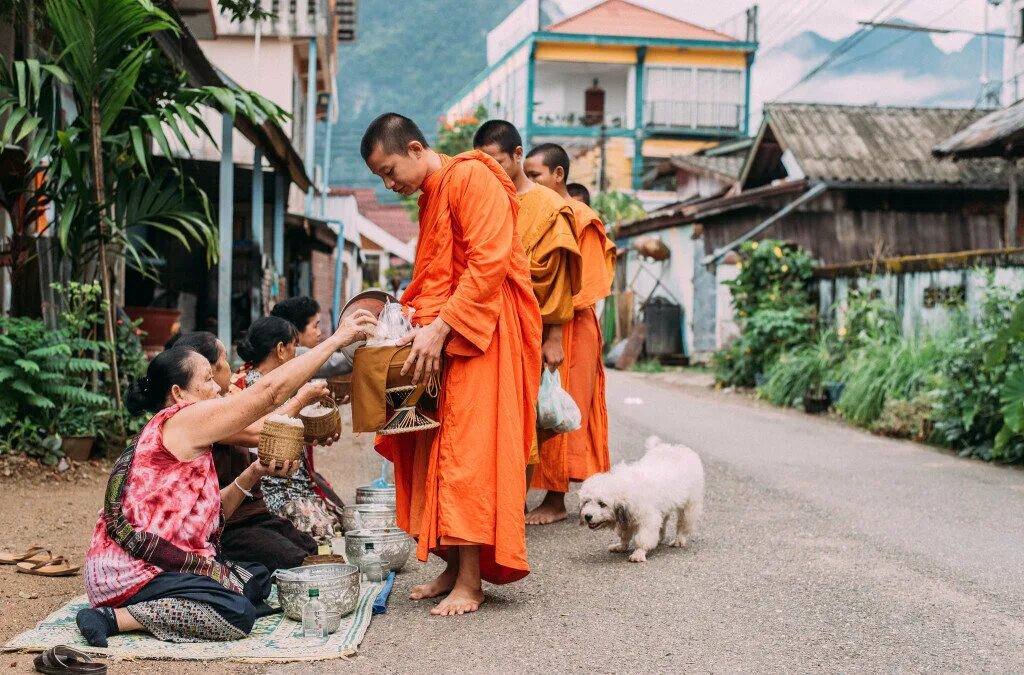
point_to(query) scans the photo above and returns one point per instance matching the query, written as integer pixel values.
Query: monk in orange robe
(579, 454)
(546, 227)
(460, 488)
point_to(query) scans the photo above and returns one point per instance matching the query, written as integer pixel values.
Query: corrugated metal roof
(998, 134)
(727, 167)
(882, 145)
(624, 19)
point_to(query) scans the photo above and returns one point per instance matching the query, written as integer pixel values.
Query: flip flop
(64, 659)
(32, 555)
(58, 567)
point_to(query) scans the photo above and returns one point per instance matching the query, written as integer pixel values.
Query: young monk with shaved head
(546, 227)
(584, 452)
(460, 488)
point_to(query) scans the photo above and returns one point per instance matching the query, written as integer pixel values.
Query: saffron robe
(465, 482)
(579, 454)
(549, 236)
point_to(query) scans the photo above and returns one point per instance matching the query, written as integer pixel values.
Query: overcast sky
(783, 19)
(832, 18)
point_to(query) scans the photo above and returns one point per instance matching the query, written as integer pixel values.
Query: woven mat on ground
(273, 638)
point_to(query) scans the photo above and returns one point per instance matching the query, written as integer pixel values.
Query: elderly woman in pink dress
(154, 563)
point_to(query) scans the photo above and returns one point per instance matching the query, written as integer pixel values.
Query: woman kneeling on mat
(154, 563)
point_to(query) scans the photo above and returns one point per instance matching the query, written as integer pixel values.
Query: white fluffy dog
(638, 499)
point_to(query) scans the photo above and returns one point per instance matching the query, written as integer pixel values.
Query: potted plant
(77, 426)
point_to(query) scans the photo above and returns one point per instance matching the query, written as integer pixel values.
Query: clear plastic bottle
(314, 617)
(371, 566)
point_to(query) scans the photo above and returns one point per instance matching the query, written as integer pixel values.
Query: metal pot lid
(366, 299)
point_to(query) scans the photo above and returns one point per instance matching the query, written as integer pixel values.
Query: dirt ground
(59, 511)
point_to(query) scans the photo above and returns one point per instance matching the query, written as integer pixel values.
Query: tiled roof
(998, 134)
(874, 144)
(392, 218)
(624, 19)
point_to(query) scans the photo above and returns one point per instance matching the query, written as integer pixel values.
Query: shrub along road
(823, 548)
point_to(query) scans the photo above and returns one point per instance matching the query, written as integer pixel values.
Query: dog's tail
(652, 442)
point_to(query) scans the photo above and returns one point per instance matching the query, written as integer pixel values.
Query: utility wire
(849, 43)
(900, 39)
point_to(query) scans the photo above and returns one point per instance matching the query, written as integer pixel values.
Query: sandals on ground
(56, 567)
(63, 659)
(32, 554)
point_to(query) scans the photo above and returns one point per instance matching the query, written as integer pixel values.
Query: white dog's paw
(616, 548)
(678, 542)
(638, 555)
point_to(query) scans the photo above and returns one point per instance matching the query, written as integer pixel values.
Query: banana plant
(95, 156)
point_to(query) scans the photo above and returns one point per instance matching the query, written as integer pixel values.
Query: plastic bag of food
(556, 410)
(392, 326)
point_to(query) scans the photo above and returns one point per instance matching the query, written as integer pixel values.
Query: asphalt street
(822, 548)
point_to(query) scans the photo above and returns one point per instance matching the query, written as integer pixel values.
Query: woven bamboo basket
(340, 387)
(280, 441)
(326, 559)
(319, 429)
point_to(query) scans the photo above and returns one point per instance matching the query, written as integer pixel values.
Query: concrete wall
(682, 279)
(925, 302)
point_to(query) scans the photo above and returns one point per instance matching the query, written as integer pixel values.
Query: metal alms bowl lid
(373, 300)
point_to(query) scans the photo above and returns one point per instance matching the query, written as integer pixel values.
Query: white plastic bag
(556, 410)
(392, 326)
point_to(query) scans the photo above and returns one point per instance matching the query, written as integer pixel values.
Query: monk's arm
(482, 208)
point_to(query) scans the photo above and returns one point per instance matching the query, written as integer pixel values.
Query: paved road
(823, 549)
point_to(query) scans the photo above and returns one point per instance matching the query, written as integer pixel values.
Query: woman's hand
(279, 468)
(311, 392)
(356, 326)
(427, 343)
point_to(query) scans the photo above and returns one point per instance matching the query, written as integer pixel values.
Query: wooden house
(857, 187)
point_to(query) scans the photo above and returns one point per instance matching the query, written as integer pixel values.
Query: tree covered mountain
(409, 57)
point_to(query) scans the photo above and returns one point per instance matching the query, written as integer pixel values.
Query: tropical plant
(876, 373)
(772, 274)
(42, 372)
(616, 208)
(766, 334)
(773, 308)
(801, 372)
(96, 159)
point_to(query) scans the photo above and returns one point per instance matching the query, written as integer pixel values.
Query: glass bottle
(314, 618)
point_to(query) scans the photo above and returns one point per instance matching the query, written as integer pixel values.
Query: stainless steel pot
(392, 544)
(338, 585)
(367, 517)
(368, 494)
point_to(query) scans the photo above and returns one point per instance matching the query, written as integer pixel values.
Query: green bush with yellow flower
(773, 307)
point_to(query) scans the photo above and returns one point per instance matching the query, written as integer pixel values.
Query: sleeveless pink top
(180, 501)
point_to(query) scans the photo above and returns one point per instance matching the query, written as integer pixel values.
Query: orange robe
(580, 454)
(549, 237)
(464, 483)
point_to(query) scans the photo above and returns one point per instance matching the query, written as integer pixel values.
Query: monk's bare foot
(439, 586)
(462, 600)
(551, 510)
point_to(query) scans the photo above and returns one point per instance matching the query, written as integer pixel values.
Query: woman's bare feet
(462, 600)
(551, 510)
(439, 586)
